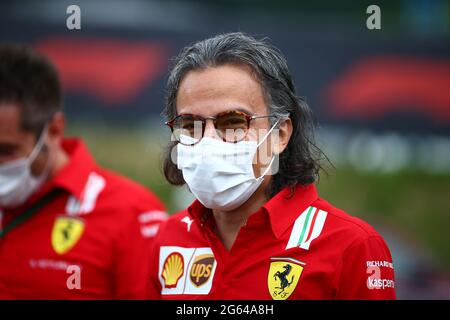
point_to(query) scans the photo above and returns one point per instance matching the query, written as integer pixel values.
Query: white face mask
(17, 183)
(220, 174)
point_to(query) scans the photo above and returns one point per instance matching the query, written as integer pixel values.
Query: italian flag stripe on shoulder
(307, 227)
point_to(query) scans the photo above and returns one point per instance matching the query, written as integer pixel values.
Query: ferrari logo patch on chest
(66, 232)
(283, 277)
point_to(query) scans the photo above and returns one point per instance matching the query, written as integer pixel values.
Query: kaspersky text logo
(374, 281)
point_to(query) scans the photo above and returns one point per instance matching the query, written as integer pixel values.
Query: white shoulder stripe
(317, 229)
(307, 227)
(94, 185)
(297, 229)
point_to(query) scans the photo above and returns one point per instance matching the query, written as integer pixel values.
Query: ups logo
(201, 269)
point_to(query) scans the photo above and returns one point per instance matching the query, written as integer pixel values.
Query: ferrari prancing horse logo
(66, 233)
(283, 277)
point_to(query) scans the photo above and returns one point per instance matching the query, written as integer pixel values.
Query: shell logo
(173, 270)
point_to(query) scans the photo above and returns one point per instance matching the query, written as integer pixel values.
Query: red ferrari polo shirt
(297, 247)
(89, 242)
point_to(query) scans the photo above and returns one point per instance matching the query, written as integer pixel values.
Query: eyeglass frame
(248, 117)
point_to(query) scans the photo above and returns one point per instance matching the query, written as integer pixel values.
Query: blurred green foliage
(414, 203)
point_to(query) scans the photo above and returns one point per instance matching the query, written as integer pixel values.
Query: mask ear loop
(37, 148)
(36, 151)
(273, 157)
(267, 168)
(268, 133)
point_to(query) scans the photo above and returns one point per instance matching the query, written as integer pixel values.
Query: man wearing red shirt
(68, 228)
(257, 230)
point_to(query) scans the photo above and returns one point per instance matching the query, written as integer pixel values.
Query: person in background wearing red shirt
(257, 230)
(68, 228)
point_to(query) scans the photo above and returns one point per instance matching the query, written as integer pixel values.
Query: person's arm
(154, 286)
(366, 271)
(133, 257)
(131, 270)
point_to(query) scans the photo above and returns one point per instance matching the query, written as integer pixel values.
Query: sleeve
(150, 213)
(133, 256)
(154, 286)
(366, 271)
(131, 262)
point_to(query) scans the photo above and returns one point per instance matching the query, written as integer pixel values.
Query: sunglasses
(231, 126)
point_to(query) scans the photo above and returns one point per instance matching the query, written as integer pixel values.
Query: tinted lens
(188, 126)
(232, 126)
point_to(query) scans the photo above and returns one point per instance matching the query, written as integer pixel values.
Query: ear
(284, 135)
(56, 128)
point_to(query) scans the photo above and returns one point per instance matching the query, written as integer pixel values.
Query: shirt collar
(285, 207)
(198, 211)
(73, 176)
(282, 209)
